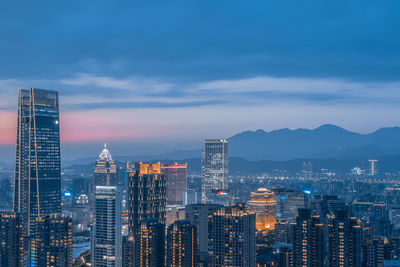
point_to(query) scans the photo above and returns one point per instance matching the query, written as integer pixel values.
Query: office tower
(308, 240)
(284, 254)
(37, 185)
(344, 240)
(214, 166)
(11, 239)
(175, 176)
(182, 244)
(105, 171)
(53, 241)
(147, 213)
(147, 195)
(233, 234)
(288, 202)
(106, 239)
(149, 244)
(372, 167)
(263, 205)
(200, 215)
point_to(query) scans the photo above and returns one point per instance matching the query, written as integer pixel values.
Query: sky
(153, 76)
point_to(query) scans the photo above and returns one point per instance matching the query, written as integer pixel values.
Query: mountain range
(326, 141)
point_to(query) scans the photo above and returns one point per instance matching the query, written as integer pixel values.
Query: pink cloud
(102, 125)
(8, 124)
(87, 126)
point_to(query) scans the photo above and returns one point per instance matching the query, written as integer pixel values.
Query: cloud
(142, 105)
(138, 84)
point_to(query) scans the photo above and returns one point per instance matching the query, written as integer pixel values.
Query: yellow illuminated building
(263, 205)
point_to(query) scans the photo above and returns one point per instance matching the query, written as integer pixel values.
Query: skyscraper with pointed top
(37, 185)
(105, 172)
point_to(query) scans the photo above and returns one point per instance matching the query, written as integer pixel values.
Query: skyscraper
(308, 240)
(149, 244)
(147, 195)
(263, 205)
(214, 166)
(182, 244)
(106, 236)
(105, 171)
(147, 214)
(175, 176)
(344, 240)
(53, 241)
(233, 234)
(37, 187)
(11, 239)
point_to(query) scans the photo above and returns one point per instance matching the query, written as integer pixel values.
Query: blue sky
(164, 75)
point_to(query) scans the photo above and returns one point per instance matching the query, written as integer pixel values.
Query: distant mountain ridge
(326, 141)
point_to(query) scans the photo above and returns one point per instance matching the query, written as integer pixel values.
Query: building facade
(344, 241)
(53, 241)
(105, 171)
(11, 239)
(106, 239)
(147, 195)
(214, 166)
(37, 185)
(175, 176)
(182, 244)
(233, 238)
(263, 205)
(200, 215)
(308, 240)
(149, 244)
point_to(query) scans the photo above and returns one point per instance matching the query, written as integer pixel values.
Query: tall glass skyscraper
(106, 239)
(214, 166)
(37, 189)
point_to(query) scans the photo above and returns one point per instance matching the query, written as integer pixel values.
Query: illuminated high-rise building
(182, 244)
(233, 238)
(149, 244)
(106, 239)
(147, 195)
(37, 186)
(175, 176)
(308, 240)
(11, 239)
(53, 241)
(147, 214)
(263, 205)
(105, 171)
(214, 166)
(344, 240)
